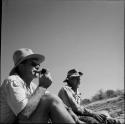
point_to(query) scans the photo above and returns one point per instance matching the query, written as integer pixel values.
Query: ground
(115, 107)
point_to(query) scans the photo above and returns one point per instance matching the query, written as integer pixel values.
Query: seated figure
(21, 101)
(71, 97)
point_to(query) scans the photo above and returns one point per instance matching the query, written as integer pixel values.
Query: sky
(82, 34)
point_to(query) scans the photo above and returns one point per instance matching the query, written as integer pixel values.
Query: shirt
(69, 97)
(72, 100)
(13, 97)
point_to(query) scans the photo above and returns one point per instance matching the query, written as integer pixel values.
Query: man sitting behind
(71, 98)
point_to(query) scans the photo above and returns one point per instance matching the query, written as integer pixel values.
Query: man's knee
(49, 100)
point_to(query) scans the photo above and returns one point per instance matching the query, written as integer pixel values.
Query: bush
(85, 101)
(99, 96)
(119, 92)
(107, 94)
(110, 93)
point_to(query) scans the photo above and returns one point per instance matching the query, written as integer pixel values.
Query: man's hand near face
(45, 80)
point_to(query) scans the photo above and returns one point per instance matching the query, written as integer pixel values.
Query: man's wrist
(42, 90)
(87, 112)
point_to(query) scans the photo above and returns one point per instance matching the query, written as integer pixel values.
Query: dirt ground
(114, 106)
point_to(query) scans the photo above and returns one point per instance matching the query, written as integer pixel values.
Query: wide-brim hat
(24, 54)
(73, 73)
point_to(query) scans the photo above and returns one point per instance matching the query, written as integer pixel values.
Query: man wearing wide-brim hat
(24, 102)
(71, 97)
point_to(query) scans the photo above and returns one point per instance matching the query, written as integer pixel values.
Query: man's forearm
(33, 101)
(77, 109)
(87, 112)
(81, 110)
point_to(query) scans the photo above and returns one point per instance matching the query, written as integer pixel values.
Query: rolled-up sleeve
(16, 96)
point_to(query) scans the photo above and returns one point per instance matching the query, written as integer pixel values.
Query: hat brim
(39, 58)
(74, 75)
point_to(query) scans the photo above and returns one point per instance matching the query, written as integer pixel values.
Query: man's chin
(35, 76)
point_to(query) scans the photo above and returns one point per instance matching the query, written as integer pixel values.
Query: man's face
(30, 66)
(75, 81)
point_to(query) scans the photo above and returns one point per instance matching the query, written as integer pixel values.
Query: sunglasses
(32, 63)
(76, 78)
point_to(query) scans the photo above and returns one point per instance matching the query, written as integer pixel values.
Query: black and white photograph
(62, 61)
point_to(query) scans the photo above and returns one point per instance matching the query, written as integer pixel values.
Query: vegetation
(101, 95)
(110, 101)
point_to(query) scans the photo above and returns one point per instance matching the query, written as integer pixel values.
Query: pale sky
(87, 35)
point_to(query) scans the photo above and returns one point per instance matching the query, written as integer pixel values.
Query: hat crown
(21, 54)
(74, 73)
(71, 72)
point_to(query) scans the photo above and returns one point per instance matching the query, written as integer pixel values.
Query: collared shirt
(69, 97)
(72, 101)
(13, 97)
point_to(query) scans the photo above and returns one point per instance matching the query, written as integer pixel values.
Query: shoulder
(11, 84)
(13, 80)
(65, 89)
